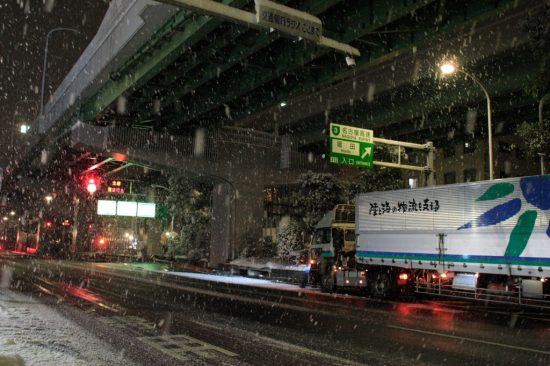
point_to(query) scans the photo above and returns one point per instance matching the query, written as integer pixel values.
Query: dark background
(24, 25)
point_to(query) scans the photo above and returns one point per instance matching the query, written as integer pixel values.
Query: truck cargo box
(499, 227)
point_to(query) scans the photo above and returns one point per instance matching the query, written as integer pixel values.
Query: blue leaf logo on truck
(536, 191)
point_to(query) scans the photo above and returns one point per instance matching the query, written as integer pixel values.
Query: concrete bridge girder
(401, 67)
(124, 29)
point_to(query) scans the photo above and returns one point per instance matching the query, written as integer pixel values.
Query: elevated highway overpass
(159, 72)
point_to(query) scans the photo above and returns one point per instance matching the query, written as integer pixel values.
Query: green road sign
(351, 146)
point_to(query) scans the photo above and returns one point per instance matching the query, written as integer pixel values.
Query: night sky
(24, 25)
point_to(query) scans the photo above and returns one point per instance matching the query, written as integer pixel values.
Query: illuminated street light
(48, 198)
(5, 218)
(23, 128)
(12, 213)
(448, 68)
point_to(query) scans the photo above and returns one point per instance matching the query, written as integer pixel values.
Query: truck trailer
(486, 239)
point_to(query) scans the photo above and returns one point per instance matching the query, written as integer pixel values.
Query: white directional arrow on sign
(366, 152)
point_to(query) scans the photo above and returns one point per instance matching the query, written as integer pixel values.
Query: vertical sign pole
(430, 164)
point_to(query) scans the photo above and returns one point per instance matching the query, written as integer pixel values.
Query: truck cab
(333, 242)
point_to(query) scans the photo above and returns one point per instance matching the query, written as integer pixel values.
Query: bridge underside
(197, 71)
(204, 72)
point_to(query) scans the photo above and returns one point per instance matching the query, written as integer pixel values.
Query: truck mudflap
(351, 278)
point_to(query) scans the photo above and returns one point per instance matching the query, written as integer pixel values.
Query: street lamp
(46, 62)
(448, 68)
(26, 126)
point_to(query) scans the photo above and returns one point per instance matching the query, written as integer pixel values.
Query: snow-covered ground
(214, 277)
(262, 263)
(33, 333)
(237, 280)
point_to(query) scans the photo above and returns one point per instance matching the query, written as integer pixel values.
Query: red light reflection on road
(404, 309)
(443, 318)
(85, 294)
(82, 293)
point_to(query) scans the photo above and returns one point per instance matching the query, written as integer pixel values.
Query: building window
(470, 175)
(449, 178)
(413, 182)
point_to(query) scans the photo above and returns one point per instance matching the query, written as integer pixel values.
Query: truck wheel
(327, 283)
(381, 286)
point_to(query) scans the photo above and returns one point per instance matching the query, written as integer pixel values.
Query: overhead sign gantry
(269, 15)
(354, 146)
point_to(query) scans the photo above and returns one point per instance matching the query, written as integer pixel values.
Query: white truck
(487, 238)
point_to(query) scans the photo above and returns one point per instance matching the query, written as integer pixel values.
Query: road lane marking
(130, 321)
(304, 350)
(182, 346)
(205, 324)
(503, 345)
(287, 346)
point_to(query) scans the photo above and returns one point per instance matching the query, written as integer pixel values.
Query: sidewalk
(32, 333)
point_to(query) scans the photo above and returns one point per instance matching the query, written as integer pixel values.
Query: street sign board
(126, 208)
(288, 20)
(351, 146)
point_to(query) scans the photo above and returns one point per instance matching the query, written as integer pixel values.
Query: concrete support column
(249, 218)
(221, 229)
(237, 214)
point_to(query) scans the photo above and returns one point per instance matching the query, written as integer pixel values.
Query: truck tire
(328, 284)
(382, 286)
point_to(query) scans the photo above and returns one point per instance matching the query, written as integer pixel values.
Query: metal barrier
(209, 147)
(515, 297)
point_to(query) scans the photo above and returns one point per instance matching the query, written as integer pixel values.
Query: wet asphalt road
(167, 320)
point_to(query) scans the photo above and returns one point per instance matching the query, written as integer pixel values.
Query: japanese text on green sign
(351, 146)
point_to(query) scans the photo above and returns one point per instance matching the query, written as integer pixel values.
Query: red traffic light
(101, 242)
(92, 185)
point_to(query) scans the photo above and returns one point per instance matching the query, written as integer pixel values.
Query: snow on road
(236, 280)
(262, 264)
(33, 333)
(216, 277)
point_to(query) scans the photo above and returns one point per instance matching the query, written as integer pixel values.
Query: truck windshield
(322, 236)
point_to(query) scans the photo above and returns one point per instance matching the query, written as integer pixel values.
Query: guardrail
(515, 297)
